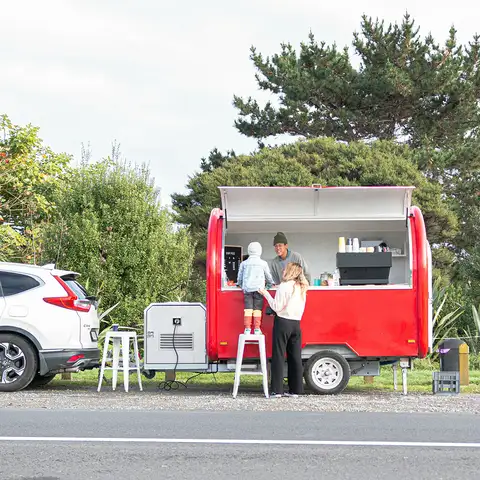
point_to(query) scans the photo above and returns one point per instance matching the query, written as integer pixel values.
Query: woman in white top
(288, 305)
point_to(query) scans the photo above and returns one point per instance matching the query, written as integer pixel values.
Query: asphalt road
(68, 444)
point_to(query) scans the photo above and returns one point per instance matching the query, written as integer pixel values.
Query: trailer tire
(327, 372)
(149, 374)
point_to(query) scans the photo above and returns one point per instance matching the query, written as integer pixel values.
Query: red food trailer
(349, 328)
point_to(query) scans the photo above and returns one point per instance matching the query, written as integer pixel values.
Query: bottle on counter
(341, 244)
(355, 245)
(349, 246)
(336, 278)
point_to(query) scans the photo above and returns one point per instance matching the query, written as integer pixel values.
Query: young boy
(253, 275)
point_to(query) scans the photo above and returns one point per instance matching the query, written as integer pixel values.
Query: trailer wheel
(327, 372)
(149, 374)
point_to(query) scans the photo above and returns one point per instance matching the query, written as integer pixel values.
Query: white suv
(48, 325)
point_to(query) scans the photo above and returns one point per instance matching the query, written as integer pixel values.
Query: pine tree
(407, 88)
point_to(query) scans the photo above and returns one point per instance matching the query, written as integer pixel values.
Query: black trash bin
(449, 355)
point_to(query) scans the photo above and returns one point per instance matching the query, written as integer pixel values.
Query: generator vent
(183, 341)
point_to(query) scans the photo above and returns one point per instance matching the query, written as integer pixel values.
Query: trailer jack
(404, 377)
(404, 380)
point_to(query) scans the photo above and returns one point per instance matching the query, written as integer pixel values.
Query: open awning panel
(311, 203)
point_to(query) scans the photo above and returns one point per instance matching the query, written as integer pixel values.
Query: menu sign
(233, 258)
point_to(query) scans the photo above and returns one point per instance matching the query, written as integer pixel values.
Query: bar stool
(245, 340)
(121, 341)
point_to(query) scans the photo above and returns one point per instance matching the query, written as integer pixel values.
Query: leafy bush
(110, 227)
(471, 336)
(30, 174)
(445, 320)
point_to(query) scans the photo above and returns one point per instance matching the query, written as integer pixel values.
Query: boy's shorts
(252, 301)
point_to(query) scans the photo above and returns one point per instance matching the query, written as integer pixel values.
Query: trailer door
(260, 204)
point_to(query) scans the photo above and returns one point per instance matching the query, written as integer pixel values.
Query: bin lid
(450, 343)
(315, 203)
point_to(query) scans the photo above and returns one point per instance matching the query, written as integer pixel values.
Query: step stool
(121, 340)
(446, 383)
(245, 340)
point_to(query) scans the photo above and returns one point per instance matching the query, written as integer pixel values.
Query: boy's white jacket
(254, 273)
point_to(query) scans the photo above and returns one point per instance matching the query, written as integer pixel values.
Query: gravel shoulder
(220, 399)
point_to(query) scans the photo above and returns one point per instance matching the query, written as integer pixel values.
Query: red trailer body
(381, 323)
(373, 323)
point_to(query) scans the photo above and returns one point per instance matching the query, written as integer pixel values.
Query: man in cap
(284, 257)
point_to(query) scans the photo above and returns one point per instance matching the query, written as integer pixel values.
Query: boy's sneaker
(288, 394)
(247, 331)
(274, 395)
(257, 331)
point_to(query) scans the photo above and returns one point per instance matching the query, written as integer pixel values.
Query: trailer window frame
(407, 267)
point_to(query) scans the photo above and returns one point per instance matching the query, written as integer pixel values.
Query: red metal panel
(371, 322)
(420, 269)
(214, 266)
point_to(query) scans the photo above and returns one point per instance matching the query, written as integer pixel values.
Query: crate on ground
(446, 383)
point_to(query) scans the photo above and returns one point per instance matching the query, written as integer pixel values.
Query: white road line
(221, 441)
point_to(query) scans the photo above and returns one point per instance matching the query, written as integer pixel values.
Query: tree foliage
(30, 174)
(406, 87)
(321, 161)
(109, 227)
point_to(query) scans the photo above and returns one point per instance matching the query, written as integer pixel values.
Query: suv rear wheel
(18, 363)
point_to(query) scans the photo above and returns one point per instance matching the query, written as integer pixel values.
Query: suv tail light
(71, 301)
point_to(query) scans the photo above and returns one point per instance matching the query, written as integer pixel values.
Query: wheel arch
(342, 349)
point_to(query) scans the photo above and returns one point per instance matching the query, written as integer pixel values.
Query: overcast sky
(159, 76)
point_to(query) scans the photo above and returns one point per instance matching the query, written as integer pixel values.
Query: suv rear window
(13, 283)
(76, 288)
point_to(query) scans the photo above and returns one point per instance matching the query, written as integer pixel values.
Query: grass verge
(419, 380)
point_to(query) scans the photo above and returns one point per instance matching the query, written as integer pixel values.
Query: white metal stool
(249, 339)
(121, 340)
